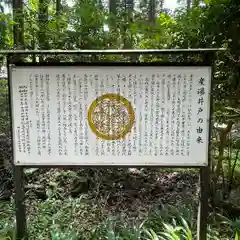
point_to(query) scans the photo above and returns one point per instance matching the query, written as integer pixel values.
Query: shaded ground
(129, 191)
(134, 191)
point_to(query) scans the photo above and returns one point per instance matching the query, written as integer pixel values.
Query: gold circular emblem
(111, 116)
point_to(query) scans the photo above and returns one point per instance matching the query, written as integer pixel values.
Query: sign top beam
(114, 51)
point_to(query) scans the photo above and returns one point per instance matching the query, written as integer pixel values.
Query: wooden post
(18, 38)
(21, 225)
(203, 210)
(203, 204)
(18, 174)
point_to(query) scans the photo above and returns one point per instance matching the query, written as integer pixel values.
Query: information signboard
(110, 115)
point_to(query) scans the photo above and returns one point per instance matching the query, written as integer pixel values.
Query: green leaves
(71, 235)
(236, 236)
(151, 234)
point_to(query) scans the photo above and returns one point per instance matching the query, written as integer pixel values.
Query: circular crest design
(111, 116)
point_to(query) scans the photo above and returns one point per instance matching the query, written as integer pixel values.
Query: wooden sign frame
(208, 60)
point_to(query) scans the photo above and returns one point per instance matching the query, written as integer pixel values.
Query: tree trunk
(188, 4)
(113, 7)
(113, 16)
(18, 29)
(43, 21)
(152, 11)
(58, 6)
(127, 40)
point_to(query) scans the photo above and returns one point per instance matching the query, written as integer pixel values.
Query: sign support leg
(203, 204)
(21, 226)
(18, 174)
(203, 210)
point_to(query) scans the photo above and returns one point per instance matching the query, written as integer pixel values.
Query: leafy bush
(53, 220)
(4, 107)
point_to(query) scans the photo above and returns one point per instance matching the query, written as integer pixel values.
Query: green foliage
(6, 37)
(4, 106)
(50, 220)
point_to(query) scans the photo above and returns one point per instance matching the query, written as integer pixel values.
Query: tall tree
(18, 29)
(128, 13)
(152, 11)
(43, 22)
(113, 14)
(58, 6)
(113, 6)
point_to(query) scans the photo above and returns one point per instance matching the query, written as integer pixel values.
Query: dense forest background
(127, 203)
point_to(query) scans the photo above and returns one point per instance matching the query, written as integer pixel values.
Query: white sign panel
(110, 115)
